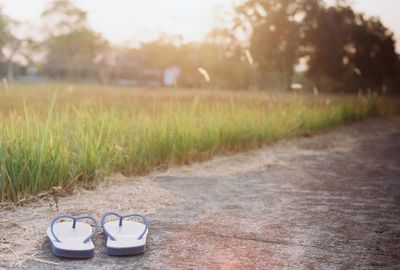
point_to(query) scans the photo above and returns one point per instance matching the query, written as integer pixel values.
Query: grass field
(64, 135)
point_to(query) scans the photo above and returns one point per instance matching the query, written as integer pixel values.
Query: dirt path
(327, 202)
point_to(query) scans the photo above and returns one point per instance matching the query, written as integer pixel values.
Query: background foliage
(339, 50)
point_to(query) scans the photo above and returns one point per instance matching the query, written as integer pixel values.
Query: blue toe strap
(74, 220)
(121, 218)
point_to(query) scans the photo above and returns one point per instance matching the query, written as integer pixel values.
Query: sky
(134, 21)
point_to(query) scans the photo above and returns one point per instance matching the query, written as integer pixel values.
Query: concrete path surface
(330, 201)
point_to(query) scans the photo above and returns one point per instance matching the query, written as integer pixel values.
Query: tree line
(270, 44)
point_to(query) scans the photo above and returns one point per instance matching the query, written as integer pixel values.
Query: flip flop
(71, 239)
(125, 237)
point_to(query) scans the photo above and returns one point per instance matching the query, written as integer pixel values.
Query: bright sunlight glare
(136, 21)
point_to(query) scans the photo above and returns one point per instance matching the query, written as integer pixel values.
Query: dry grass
(60, 135)
(22, 234)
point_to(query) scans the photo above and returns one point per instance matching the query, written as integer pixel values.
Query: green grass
(83, 144)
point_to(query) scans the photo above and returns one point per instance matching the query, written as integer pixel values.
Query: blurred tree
(160, 54)
(77, 54)
(3, 28)
(30, 51)
(275, 36)
(9, 44)
(15, 51)
(374, 57)
(347, 52)
(221, 56)
(73, 50)
(327, 32)
(62, 17)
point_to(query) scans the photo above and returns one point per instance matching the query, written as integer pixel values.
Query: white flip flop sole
(125, 237)
(71, 242)
(127, 240)
(72, 239)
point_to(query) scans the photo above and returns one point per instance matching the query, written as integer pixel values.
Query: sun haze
(136, 21)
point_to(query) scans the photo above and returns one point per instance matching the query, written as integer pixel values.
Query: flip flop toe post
(72, 239)
(125, 237)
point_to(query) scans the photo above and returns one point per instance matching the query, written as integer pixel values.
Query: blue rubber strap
(121, 218)
(74, 219)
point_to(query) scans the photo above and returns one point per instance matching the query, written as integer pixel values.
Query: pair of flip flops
(73, 239)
